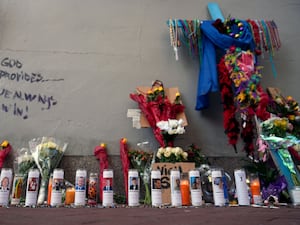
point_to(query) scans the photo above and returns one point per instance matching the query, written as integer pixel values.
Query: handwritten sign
(165, 170)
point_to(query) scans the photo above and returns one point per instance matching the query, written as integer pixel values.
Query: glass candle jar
(70, 196)
(255, 189)
(185, 189)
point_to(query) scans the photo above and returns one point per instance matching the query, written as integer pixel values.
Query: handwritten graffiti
(15, 110)
(19, 76)
(46, 101)
(17, 102)
(11, 63)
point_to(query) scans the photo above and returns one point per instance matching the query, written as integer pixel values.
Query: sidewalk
(148, 216)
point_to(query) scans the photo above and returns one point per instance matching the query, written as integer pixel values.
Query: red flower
(157, 107)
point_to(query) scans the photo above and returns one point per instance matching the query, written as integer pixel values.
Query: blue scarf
(211, 38)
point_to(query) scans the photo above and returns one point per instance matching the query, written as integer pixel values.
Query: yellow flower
(177, 94)
(160, 88)
(4, 144)
(289, 98)
(291, 117)
(277, 123)
(283, 124)
(103, 145)
(149, 92)
(241, 97)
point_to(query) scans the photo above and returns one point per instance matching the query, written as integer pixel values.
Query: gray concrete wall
(93, 53)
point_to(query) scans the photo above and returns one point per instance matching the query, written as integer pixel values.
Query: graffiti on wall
(14, 100)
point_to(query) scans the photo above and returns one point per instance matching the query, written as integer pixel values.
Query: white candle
(241, 187)
(57, 184)
(80, 187)
(5, 185)
(108, 193)
(175, 188)
(32, 187)
(156, 195)
(195, 187)
(133, 188)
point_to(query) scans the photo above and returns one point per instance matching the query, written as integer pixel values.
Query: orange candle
(185, 192)
(49, 190)
(70, 196)
(255, 187)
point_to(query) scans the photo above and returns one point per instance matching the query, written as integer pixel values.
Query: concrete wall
(91, 54)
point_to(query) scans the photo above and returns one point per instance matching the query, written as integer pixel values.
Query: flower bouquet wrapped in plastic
(142, 160)
(23, 162)
(47, 153)
(5, 148)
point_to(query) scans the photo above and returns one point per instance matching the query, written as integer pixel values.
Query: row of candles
(186, 188)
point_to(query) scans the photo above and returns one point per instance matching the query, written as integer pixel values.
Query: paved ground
(148, 216)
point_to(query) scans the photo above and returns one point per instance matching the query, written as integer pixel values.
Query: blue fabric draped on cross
(211, 38)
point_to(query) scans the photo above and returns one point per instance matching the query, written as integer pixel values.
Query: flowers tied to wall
(241, 92)
(157, 107)
(170, 129)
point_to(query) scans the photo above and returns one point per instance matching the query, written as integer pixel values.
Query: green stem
(147, 200)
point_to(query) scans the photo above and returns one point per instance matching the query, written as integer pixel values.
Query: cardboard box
(165, 169)
(171, 94)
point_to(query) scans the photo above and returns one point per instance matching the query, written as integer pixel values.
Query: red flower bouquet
(5, 148)
(157, 107)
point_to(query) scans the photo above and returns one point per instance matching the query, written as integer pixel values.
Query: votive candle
(185, 191)
(70, 196)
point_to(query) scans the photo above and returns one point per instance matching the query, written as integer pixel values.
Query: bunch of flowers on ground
(47, 153)
(142, 161)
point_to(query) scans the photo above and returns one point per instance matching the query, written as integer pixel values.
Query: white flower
(178, 151)
(173, 123)
(168, 152)
(171, 132)
(163, 125)
(161, 150)
(158, 155)
(185, 155)
(180, 130)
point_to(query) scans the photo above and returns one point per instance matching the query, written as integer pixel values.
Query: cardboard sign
(171, 94)
(165, 170)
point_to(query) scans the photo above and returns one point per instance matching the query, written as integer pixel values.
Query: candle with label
(32, 187)
(156, 195)
(57, 184)
(241, 187)
(108, 193)
(133, 187)
(175, 188)
(80, 187)
(195, 187)
(217, 186)
(5, 181)
(17, 189)
(92, 189)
